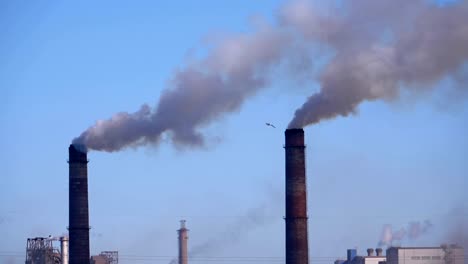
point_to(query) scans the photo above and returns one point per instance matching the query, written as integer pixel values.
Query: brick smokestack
(78, 215)
(297, 248)
(183, 237)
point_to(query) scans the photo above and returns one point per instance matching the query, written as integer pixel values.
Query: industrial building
(106, 257)
(99, 260)
(41, 250)
(370, 258)
(444, 254)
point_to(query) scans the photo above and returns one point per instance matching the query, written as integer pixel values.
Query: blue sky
(65, 65)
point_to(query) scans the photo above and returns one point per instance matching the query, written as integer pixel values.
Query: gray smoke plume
(367, 50)
(202, 92)
(413, 231)
(380, 48)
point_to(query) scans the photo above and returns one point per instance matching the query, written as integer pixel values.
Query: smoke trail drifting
(380, 48)
(255, 217)
(201, 93)
(374, 50)
(413, 231)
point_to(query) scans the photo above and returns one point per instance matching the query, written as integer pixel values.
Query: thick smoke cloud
(380, 48)
(367, 50)
(199, 94)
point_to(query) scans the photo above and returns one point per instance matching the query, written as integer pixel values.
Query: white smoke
(413, 231)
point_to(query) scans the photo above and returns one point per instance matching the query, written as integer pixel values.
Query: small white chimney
(64, 249)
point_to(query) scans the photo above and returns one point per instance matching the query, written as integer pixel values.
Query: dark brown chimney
(78, 217)
(297, 248)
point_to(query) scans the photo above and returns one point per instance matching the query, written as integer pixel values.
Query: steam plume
(413, 231)
(373, 50)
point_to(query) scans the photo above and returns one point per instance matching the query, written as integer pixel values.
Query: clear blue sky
(65, 65)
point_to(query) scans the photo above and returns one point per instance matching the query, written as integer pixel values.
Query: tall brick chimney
(297, 248)
(78, 215)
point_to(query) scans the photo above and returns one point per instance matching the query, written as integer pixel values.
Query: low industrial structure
(444, 254)
(370, 258)
(106, 257)
(41, 250)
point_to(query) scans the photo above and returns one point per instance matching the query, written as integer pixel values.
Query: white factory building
(408, 255)
(426, 255)
(371, 258)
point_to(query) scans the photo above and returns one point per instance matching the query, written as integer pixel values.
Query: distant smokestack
(64, 249)
(351, 254)
(183, 237)
(296, 198)
(78, 205)
(370, 252)
(379, 252)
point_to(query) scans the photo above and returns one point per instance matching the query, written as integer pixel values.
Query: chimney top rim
(291, 130)
(78, 148)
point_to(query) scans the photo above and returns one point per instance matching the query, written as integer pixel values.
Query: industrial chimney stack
(183, 237)
(78, 206)
(297, 248)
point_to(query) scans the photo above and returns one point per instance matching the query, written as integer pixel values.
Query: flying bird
(268, 124)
